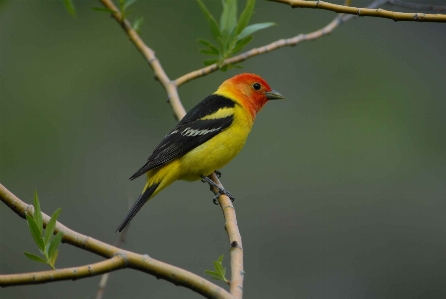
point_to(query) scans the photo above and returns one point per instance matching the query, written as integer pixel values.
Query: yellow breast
(218, 151)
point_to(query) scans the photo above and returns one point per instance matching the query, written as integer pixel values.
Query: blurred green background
(340, 190)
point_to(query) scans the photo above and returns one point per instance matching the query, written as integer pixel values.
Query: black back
(190, 132)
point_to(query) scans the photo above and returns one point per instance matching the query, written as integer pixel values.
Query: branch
(235, 239)
(172, 92)
(115, 255)
(417, 6)
(112, 264)
(262, 50)
(382, 13)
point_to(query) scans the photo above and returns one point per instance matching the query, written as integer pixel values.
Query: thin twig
(417, 6)
(112, 264)
(132, 260)
(149, 55)
(262, 50)
(381, 13)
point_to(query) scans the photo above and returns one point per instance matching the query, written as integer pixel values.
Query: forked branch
(116, 258)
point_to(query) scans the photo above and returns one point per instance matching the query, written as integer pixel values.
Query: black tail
(137, 206)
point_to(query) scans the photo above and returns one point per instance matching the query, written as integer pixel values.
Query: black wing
(190, 132)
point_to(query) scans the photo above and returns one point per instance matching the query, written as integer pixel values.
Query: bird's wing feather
(191, 132)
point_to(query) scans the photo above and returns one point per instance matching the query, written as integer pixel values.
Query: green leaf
(210, 272)
(230, 42)
(54, 245)
(210, 45)
(213, 25)
(245, 16)
(54, 258)
(35, 257)
(219, 268)
(103, 9)
(69, 6)
(128, 3)
(210, 51)
(204, 42)
(49, 231)
(254, 28)
(215, 275)
(210, 61)
(228, 19)
(241, 44)
(137, 24)
(37, 213)
(219, 272)
(35, 232)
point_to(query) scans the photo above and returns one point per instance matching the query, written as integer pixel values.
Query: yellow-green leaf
(37, 213)
(54, 245)
(34, 257)
(69, 6)
(213, 25)
(246, 15)
(35, 233)
(49, 231)
(254, 28)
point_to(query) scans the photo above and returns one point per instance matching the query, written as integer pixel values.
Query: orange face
(250, 90)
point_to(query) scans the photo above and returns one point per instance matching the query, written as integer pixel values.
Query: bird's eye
(257, 86)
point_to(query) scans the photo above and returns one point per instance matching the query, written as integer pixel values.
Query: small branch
(417, 6)
(172, 92)
(112, 264)
(235, 241)
(381, 13)
(262, 50)
(135, 261)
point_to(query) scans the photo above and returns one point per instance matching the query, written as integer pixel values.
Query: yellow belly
(211, 155)
(206, 158)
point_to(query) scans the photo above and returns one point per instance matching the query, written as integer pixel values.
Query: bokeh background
(340, 190)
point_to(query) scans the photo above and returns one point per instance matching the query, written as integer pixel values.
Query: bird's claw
(220, 192)
(218, 173)
(215, 199)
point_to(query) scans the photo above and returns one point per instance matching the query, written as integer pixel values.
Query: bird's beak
(274, 95)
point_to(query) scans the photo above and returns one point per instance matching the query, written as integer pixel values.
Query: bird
(209, 136)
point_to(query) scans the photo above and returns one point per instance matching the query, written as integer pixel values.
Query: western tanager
(209, 136)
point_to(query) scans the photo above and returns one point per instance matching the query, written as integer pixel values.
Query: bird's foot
(220, 190)
(218, 173)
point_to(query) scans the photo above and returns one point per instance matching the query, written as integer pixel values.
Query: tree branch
(293, 41)
(112, 264)
(235, 239)
(262, 50)
(172, 92)
(417, 6)
(132, 260)
(381, 13)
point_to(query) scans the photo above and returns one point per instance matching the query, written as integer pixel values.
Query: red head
(249, 90)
